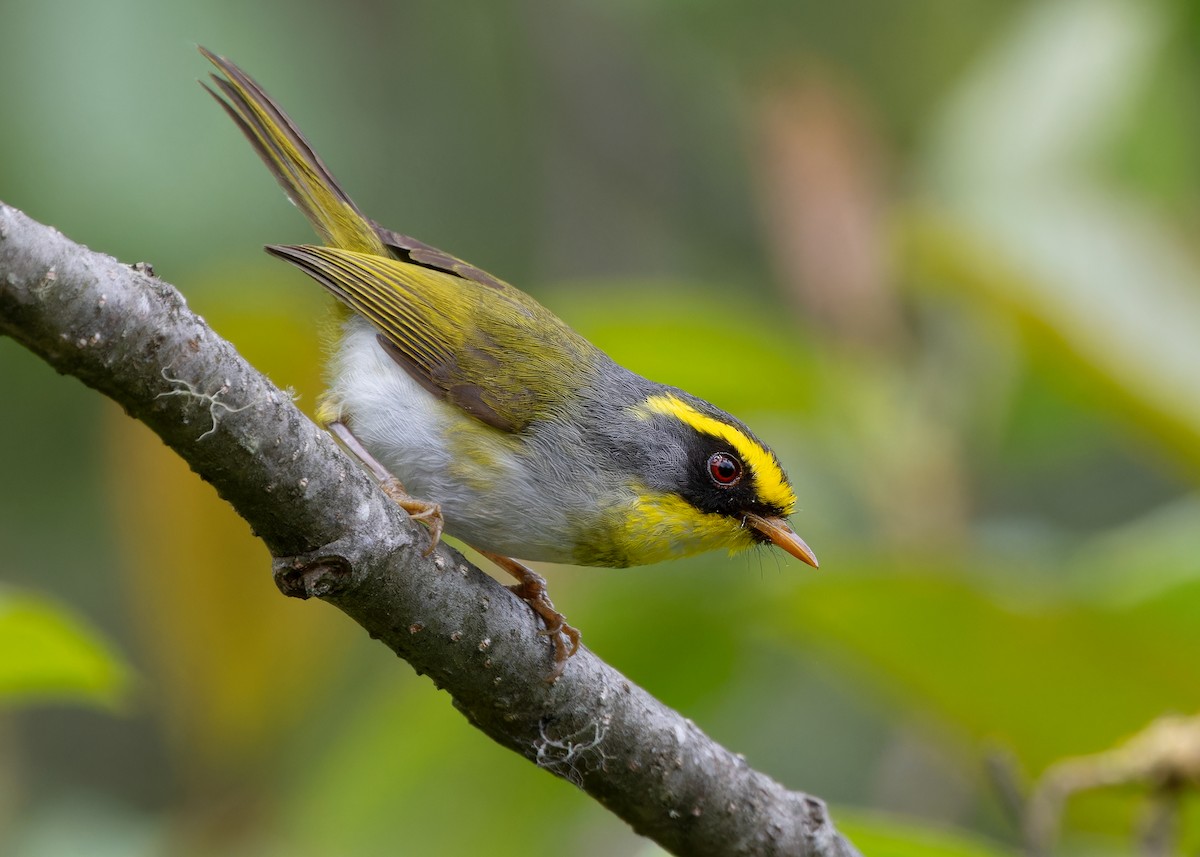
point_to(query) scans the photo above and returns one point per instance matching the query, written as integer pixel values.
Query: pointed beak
(782, 535)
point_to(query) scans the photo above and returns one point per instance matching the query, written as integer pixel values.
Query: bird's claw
(430, 514)
(532, 590)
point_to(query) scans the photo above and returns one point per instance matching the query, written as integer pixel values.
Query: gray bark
(336, 537)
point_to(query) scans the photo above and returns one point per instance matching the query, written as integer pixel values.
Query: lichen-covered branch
(336, 537)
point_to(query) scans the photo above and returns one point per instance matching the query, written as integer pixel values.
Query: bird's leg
(421, 510)
(531, 586)
(532, 589)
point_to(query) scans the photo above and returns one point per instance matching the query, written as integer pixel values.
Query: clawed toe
(532, 590)
(428, 513)
(421, 510)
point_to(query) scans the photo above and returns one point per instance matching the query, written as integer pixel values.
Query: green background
(941, 255)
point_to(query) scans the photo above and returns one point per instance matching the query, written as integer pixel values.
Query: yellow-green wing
(485, 346)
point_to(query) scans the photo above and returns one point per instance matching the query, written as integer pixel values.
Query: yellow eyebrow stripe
(772, 485)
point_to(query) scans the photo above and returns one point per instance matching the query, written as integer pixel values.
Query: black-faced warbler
(525, 439)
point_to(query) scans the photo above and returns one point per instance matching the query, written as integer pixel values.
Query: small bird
(479, 410)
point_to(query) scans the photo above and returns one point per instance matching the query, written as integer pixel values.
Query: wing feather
(484, 346)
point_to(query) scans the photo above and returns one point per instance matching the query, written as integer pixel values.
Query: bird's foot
(531, 588)
(430, 514)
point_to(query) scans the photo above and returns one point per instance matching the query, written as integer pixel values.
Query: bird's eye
(724, 469)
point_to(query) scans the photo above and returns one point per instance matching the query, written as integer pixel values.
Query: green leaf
(1044, 679)
(52, 655)
(891, 836)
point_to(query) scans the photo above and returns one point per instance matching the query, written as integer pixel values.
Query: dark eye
(724, 469)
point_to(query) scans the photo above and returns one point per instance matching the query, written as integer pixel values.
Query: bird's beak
(782, 535)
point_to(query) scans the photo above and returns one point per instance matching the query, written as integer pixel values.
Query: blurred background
(942, 256)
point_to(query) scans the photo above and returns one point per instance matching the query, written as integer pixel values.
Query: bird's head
(705, 482)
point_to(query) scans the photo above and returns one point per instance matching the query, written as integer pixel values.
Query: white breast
(488, 488)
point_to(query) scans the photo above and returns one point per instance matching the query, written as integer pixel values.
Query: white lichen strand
(216, 407)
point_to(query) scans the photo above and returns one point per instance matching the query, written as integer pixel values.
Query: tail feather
(300, 172)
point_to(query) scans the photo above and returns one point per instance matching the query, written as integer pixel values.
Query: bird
(485, 416)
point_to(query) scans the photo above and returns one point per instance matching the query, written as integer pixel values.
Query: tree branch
(336, 537)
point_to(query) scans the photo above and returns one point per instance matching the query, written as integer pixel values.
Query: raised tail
(297, 168)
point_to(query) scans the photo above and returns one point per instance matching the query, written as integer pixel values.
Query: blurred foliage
(940, 256)
(885, 836)
(54, 656)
